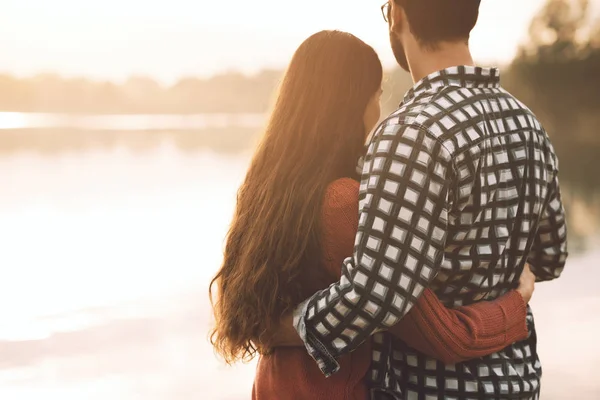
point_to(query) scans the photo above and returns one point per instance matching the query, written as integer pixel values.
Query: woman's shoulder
(343, 189)
(341, 195)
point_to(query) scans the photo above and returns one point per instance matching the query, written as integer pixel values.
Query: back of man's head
(436, 21)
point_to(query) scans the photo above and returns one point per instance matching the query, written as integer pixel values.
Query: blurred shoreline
(58, 133)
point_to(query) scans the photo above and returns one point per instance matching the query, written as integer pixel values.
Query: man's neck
(425, 62)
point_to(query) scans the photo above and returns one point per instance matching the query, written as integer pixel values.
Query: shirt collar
(459, 76)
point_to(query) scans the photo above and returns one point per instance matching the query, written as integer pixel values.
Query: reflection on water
(106, 220)
(106, 260)
(109, 256)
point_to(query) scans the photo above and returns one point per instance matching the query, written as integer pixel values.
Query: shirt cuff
(325, 361)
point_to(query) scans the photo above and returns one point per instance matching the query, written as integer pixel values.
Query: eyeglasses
(385, 10)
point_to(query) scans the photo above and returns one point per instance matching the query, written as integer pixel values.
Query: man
(459, 189)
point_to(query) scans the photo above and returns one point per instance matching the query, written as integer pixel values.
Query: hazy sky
(167, 39)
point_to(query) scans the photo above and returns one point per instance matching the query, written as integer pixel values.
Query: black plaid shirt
(459, 189)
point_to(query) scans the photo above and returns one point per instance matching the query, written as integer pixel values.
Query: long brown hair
(315, 135)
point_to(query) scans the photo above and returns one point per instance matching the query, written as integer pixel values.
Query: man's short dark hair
(435, 21)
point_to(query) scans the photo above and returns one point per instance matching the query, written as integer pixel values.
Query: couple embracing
(401, 269)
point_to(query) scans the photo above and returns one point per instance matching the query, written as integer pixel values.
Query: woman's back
(290, 373)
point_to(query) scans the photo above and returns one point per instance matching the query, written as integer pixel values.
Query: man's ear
(398, 19)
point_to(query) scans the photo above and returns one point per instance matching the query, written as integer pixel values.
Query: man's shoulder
(454, 115)
(424, 110)
(420, 116)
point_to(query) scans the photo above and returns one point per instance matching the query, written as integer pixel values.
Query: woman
(295, 222)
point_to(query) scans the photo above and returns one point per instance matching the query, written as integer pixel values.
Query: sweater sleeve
(455, 335)
(340, 223)
(450, 335)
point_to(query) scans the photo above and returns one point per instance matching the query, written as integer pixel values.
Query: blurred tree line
(557, 74)
(225, 93)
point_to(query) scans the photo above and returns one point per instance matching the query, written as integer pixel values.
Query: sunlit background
(126, 127)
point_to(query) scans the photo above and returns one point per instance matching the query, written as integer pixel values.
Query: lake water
(106, 260)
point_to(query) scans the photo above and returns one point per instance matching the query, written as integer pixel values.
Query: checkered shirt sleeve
(549, 251)
(403, 219)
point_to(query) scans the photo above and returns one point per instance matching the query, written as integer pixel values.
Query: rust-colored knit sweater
(450, 335)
